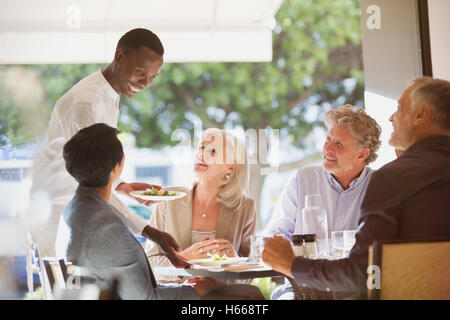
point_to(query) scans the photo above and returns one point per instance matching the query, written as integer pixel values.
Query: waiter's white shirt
(90, 101)
(342, 206)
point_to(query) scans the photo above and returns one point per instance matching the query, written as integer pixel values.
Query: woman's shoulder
(248, 204)
(248, 200)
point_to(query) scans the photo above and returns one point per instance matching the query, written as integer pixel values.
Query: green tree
(23, 115)
(11, 125)
(28, 94)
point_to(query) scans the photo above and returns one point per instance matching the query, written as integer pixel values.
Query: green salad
(216, 257)
(154, 192)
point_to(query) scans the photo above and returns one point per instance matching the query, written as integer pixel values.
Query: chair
(70, 282)
(61, 280)
(57, 272)
(34, 266)
(409, 270)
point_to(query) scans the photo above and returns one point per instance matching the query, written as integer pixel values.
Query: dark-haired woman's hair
(92, 154)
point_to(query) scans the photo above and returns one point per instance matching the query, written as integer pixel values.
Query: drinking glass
(342, 242)
(349, 239)
(337, 242)
(256, 248)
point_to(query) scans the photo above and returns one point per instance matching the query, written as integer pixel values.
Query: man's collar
(355, 182)
(360, 177)
(105, 85)
(427, 142)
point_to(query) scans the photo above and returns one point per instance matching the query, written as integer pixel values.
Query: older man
(351, 144)
(137, 61)
(406, 199)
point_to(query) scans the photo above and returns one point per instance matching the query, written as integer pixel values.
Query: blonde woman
(216, 216)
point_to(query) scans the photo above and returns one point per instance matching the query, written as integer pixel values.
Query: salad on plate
(157, 195)
(217, 260)
(155, 192)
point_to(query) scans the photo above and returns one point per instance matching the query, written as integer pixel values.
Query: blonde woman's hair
(361, 126)
(235, 188)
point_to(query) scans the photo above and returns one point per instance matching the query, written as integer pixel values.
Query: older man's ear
(422, 115)
(364, 154)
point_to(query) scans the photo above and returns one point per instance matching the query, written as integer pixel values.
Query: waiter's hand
(126, 188)
(278, 254)
(167, 244)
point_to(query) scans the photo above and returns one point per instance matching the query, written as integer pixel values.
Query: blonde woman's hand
(207, 247)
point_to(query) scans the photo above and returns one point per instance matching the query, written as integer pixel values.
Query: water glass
(342, 242)
(349, 238)
(256, 248)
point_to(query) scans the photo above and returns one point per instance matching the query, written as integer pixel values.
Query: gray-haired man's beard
(338, 168)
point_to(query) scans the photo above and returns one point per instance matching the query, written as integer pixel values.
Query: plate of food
(158, 195)
(217, 261)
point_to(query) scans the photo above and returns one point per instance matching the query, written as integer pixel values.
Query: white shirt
(92, 100)
(342, 206)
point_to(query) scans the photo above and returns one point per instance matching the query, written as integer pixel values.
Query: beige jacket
(175, 217)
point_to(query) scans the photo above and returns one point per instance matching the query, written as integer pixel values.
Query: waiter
(95, 99)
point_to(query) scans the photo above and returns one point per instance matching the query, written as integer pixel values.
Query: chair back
(410, 270)
(56, 271)
(70, 282)
(34, 265)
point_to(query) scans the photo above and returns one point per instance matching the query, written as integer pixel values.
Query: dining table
(237, 271)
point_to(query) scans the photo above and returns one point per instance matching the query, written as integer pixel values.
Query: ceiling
(87, 31)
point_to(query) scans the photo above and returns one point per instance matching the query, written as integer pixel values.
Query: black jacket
(408, 198)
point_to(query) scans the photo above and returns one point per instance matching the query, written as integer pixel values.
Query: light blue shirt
(342, 206)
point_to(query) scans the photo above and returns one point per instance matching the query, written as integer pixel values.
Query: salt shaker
(310, 246)
(297, 245)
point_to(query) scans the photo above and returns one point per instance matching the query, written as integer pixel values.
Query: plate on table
(171, 195)
(211, 262)
(244, 267)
